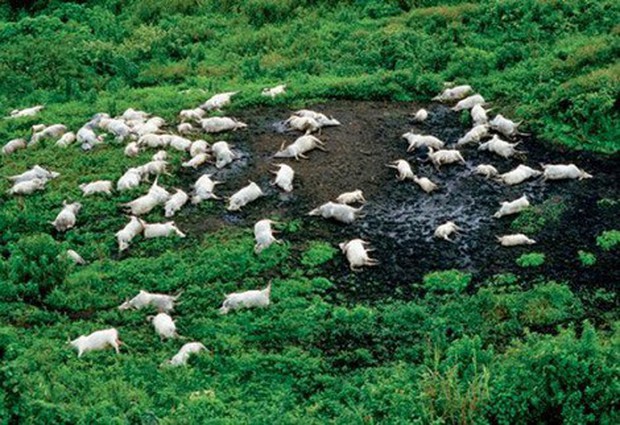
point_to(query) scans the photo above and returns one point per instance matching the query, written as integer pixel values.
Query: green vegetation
(447, 281)
(536, 218)
(459, 348)
(532, 259)
(608, 240)
(587, 258)
(550, 63)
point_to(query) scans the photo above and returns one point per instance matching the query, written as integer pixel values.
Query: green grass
(455, 350)
(532, 259)
(608, 240)
(549, 63)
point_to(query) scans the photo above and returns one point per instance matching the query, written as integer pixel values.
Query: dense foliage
(552, 63)
(505, 350)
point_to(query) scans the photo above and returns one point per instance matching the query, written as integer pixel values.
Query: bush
(533, 259)
(37, 264)
(608, 240)
(317, 253)
(446, 281)
(587, 258)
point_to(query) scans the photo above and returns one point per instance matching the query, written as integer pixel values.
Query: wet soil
(400, 218)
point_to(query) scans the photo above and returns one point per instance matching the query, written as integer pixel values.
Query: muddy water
(400, 218)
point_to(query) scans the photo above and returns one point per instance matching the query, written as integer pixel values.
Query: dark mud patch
(400, 218)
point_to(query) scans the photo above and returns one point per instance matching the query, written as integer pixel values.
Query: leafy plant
(447, 281)
(587, 258)
(532, 259)
(608, 240)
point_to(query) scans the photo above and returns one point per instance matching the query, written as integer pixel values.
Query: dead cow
(357, 254)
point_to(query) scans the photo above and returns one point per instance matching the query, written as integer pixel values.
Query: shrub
(317, 253)
(587, 258)
(37, 264)
(533, 259)
(446, 281)
(608, 240)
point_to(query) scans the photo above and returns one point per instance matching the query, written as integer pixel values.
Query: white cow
(299, 147)
(66, 218)
(339, 212)
(284, 177)
(175, 203)
(13, 146)
(560, 172)
(181, 358)
(357, 254)
(160, 230)
(127, 233)
(244, 196)
(96, 187)
(247, 299)
(518, 175)
(515, 240)
(512, 207)
(445, 230)
(98, 340)
(351, 197)
(203, 189)
(403, 168)
(274, 91)
(162, 302)
(220, 124)
(164, 326)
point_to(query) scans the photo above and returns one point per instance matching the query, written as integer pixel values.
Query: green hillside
(455, 347)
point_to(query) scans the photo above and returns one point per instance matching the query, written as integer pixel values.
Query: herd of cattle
(143, 131)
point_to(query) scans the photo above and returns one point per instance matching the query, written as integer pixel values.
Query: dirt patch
(400, 218)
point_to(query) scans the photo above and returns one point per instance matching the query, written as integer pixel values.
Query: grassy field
(507, 350)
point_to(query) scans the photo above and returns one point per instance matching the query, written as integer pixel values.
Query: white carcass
(247, 299)
(445, 230)
(98, 340)
(561, 171)
(66, 218)
(512, 207)
(164, 326)
(351, 197)
(130, 180)
(223, 154)
(220, 124)
(469, 102)
(181, 358)
(339, 212)
(218, 101)
(421, 115)
(162, 302)
(203, 189)
(272, 92)
(425, 184)
(175, 203)
(357, 254)
(403, 168)
(486, 170)
(96, 187)
(518, 175)
(128, 233)
(420, 140)
(500, 147)
(474, 135)
(263, 235)
(515, 240)
(160, 230)
(299, 147)
(445, 156)
(244, 196)
(505, 126)
(284, 177)
(13, 146)
(454, 93)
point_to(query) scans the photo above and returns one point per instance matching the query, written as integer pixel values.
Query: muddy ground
(400, 218)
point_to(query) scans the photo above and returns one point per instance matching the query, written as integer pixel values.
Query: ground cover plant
(457, 333)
